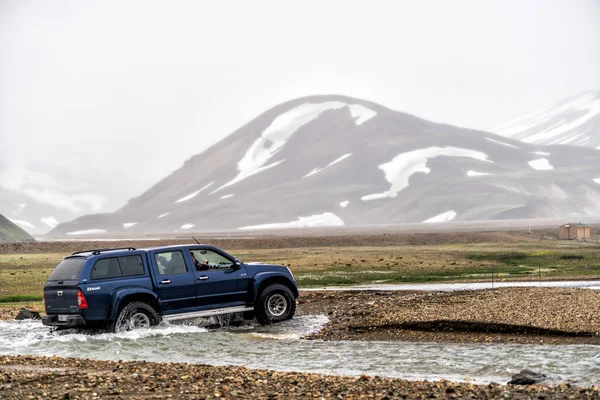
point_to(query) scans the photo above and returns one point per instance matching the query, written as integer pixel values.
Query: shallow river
(280, 347)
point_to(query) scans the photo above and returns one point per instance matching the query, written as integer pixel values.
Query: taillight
(81, 301)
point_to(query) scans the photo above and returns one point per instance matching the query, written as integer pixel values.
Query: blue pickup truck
(127, 288)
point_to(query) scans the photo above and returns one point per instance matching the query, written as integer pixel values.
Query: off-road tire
(275, 303)
(135, 315)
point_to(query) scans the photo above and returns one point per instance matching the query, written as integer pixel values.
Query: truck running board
(207, 313)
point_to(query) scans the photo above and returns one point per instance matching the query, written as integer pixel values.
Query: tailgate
(61, 297)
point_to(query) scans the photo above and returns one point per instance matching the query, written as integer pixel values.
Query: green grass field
(22, 276)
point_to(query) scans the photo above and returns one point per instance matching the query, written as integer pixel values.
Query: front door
(175, 282)
(218, 279)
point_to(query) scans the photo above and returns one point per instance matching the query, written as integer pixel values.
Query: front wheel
(135, 315)
(275, 303)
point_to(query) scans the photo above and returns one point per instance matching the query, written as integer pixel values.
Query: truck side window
(106, 268)
(131, 265)
(210, 260)
(170, 263)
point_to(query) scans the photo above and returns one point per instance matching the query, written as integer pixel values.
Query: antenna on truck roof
(195, 240)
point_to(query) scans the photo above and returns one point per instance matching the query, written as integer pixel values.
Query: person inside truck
(200, 266)
(161, 262)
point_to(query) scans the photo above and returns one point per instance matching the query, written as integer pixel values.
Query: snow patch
(276, 135)
(50, 221)
(192, 195)
(502, 143)
(344, 204)
(374, 196)
(163, 215)
(21, 223)
(541, 153)
(541, 164)
(337, 160)
(129, 224)
(86, 232)
(187, 226)
(326, 219)
(226, 196)
(361, 113)
(403, 166)
(475, 173)
(443, 217)
(587, 105)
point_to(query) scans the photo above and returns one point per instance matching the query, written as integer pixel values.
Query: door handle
(202, 278)
(165, 281)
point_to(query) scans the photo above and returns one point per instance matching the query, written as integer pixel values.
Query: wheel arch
(265, 280)
(126, 296)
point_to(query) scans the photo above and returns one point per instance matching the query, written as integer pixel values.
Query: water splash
(280, 347)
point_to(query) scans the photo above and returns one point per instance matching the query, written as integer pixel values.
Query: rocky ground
(64, 378)
(508, 315)
(516, 315)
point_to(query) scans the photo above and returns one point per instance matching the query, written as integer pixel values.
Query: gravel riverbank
(65, 378)
(509, 315)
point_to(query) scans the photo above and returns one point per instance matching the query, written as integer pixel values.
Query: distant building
(575, 231)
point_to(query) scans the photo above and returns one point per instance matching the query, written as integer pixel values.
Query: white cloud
(17, 177)
(128, 224)
(163, 215)
(344, 204)
(187, 226)
(226, 196)
(50, 221)
(21, 223)
(87, 232)
(76, 203)
(19, 208)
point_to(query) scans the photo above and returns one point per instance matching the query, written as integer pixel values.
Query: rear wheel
(135, 315)
(275, 303)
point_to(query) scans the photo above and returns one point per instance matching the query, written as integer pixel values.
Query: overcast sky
(122, 92)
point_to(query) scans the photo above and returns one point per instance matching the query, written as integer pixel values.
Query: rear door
(175, 281)
(219, 282)
(60, 290)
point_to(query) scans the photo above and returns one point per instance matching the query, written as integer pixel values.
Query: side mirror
(237, 263)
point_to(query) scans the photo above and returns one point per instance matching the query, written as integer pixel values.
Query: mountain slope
(11, 233)
(30, 214)
(574, 121)
(334, 160)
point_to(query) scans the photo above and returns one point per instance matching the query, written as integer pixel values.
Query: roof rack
(98, 251)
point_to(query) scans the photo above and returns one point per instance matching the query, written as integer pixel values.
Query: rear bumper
(74, 320)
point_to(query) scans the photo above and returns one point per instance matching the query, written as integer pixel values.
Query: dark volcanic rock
(527, 377)
(27, 314)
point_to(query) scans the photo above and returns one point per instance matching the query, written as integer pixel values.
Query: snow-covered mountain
(334, 160)
(574, 121)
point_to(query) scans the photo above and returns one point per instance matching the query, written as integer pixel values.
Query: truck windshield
(67, 270)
